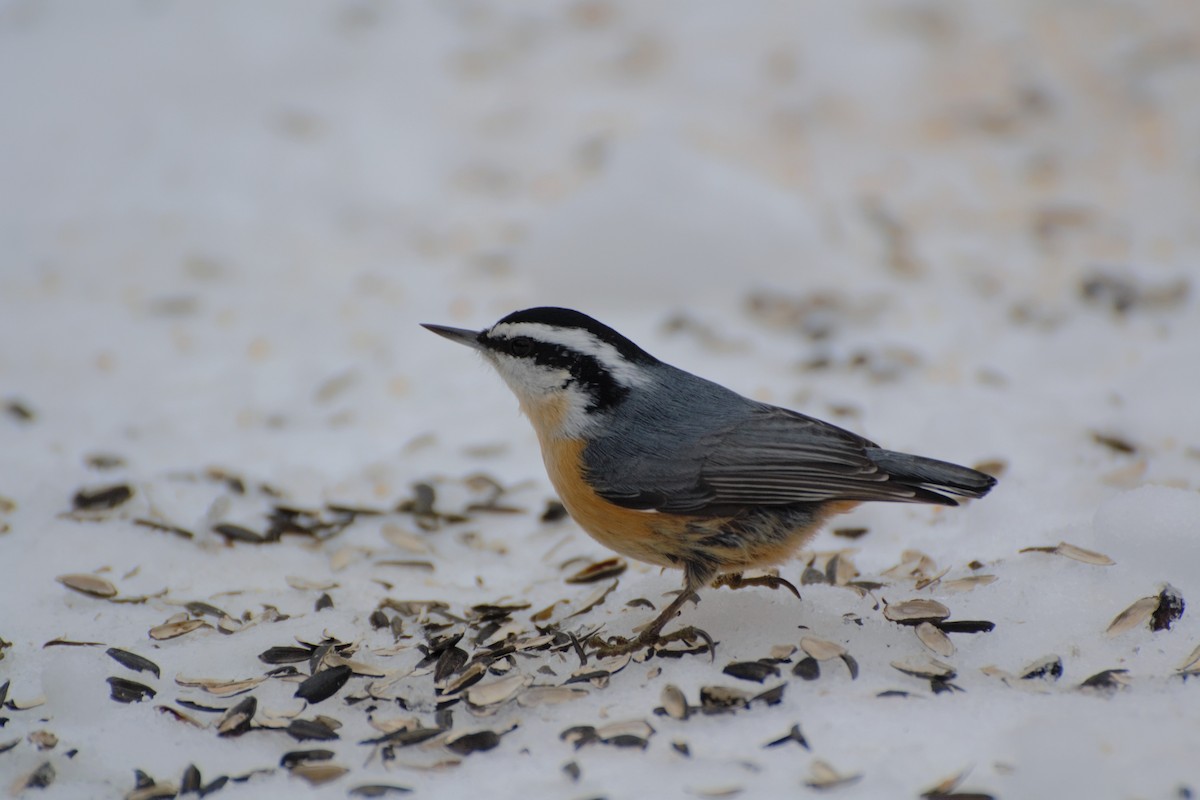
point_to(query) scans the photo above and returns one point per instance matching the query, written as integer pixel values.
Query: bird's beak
(461, 335)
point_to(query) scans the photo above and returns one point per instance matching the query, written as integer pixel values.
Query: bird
(671, 469)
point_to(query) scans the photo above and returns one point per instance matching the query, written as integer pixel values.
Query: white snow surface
(221, 224)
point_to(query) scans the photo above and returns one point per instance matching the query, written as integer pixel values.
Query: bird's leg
(652, 634)
(735, 580)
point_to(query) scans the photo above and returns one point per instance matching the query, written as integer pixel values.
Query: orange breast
(644, 535)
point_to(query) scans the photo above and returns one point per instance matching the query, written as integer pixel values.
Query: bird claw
(735, 580)
(619, 645)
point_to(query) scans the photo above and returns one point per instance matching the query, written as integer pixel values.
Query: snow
(222, 224)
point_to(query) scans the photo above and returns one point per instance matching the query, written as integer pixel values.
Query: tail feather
(932, 477)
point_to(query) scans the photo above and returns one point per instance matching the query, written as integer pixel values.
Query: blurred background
(254, 201)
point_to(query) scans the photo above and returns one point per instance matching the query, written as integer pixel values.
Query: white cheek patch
(534, 385)
(580, 341)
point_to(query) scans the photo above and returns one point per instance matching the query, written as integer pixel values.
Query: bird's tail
(931, 477)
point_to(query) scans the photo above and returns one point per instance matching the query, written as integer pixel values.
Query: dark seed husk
(191, 781)
(6, 746)
(284, 655)
(449, 662)
(794, 735)
(378, 620)
(964, 626)
(236, 720)
(133, 661)
(572, 770)
(194, 706)
(851, 665)
(807, 668)
(1170, 608)
(811, 575)
(1050, 667)
(310, 729)
(771, 697)
(378, 790)
(236, 533)
(214, 785)
(198, 608)
(405, 737)
(102, 498)
(40, 778)
(127, 691)
(4, 691)
(1106, 680)
(756, 671)
(182, 533)
(324, 684)
(682, 748)
(294, 757)
(627, 740)
(719, 700)
(554, 511)
(478, 742)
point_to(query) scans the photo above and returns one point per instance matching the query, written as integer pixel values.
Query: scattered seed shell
(1137, 615)
(1170, 608)
(124, 690)
(1074, 553)
(932, 637)
(824, 776)
(674, 702)
(318, 774)
(466, 743)
(171, 630)
(1050, 667)
(237, 719)
(88, 584)
(925, 667)
(757, 671)
(101, 499)
(911, 612)
(599, 570)
(219, 687)
(821, 649)
(133, 661)
(324, 684)
(497, 691)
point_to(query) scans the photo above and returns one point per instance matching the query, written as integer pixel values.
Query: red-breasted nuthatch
(668, 468)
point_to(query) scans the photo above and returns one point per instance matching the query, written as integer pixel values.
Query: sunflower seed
(964, 626)
(40, 778)
(1074, 553)
(807, 668)
(1138, 614)
(794, 735)
(933, 638)
(221, 688)
(1170, 608)
(1049, 667)
(102, 498)
(1108, 680)
(310, 729)
(170, 630)
(323, 684)
(824, 776)
(133, 661)
(124, 690)
(496, 692)
(236, 720)
(297, 757)
(599, 570)
(285, 655)
(1190, 662)
(318, 774)
(236, 533)
(820, 649)
(721, 700)
(372, 790)
(925, 667)
(464, 744)
(756, 671)
(548, 695)
(85, 583)
(911, 612)
(674, 702)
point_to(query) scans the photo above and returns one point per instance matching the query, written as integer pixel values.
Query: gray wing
(767, 456)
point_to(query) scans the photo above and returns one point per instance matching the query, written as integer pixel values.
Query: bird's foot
(651, 638)
(735, 580)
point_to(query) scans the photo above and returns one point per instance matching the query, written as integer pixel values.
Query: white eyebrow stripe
(581, 341)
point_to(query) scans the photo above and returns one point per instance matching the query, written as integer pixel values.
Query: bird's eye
(521, 346)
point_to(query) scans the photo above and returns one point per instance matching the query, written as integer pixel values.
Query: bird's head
(565, 368)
